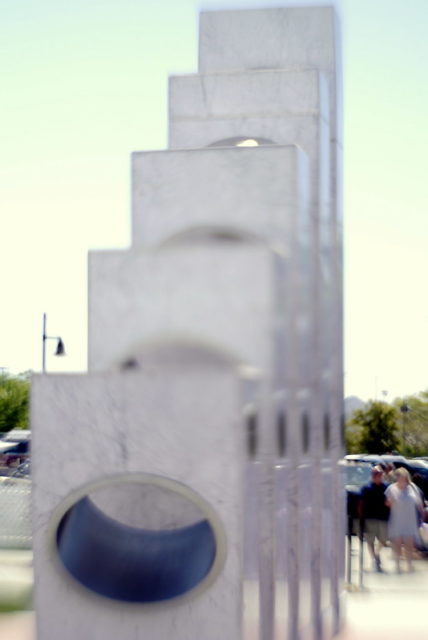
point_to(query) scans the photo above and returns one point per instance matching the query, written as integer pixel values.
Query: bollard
(361, 553)
(349, 552)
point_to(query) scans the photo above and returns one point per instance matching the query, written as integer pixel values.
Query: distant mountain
(351, 404)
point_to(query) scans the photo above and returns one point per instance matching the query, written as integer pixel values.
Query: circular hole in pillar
(139, 538)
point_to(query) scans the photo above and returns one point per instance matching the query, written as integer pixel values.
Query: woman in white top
(405, 504)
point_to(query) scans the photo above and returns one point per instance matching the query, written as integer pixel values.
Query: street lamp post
(404, 410)
(60, 349)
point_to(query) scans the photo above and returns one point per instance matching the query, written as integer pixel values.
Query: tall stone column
(202, 498)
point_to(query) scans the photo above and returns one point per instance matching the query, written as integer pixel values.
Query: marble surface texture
(277, 38)
(281, 93)
(267, 38)
(225, 105)
(259, 191)
(295, 110)
(185, 428)
(199, 293)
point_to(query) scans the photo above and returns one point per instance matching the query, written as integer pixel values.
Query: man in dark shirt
(375, 513)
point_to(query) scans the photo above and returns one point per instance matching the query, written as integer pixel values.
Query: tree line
(400, 427)
(14, 401)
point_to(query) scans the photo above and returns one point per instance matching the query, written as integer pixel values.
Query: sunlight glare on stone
(249, 142)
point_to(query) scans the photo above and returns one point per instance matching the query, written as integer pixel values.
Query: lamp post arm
(60, 347)
(44, 344)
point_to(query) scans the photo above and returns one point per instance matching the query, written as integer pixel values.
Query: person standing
(388, 473)
(406, 509)
(375, 513)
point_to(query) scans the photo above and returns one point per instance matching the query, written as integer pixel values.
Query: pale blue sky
(84, 84)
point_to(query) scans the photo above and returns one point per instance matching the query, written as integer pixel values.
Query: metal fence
(15, 514)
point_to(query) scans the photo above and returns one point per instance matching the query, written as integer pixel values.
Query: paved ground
(17, 626)
(16, 579)
(387, 607)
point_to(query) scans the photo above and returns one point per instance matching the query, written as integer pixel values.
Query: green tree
(413, 424)
(353, 437)
(14, 401)
(374, 429)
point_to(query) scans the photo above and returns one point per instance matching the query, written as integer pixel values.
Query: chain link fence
(15, 513)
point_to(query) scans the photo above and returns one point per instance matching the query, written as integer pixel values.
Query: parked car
(15, 448)
(16, 435)
(356, 475)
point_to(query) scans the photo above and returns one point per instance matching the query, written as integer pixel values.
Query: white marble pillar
(234, 271)
(120, 431)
